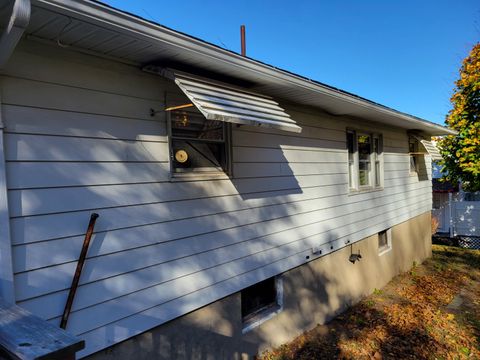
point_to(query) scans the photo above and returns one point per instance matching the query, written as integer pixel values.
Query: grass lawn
(431, 312)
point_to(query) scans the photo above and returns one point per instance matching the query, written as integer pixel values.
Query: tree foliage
(461, 153)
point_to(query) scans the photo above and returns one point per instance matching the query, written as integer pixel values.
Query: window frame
(385, 248)
(414, 154)
(375, 157)
(199, 175)
(258, 317)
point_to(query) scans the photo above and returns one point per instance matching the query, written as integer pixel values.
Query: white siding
(79, 138)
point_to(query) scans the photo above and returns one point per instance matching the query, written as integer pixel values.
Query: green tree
(461, 153)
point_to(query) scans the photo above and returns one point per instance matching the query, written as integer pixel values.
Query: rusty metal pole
(242, 40)
(78, 271)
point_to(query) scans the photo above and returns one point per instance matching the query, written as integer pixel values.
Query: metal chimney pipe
(242, 40)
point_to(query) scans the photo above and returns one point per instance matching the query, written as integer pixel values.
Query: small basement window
(261, 302)
(384, 241)
(198, 146)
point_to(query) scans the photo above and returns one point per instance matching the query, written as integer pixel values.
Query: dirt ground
(431, 312)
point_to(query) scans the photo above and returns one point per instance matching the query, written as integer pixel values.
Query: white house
(231, 194)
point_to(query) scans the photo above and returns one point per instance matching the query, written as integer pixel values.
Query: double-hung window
(197, 146)
(365, 168)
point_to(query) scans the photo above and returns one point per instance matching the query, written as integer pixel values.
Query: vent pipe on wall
(242, 40)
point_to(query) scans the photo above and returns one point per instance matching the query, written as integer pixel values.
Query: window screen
(197, 144)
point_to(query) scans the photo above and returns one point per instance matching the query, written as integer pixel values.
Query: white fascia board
(117, 20)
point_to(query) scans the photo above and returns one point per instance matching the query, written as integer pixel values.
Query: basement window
(261, 302)
(198, 147)
(384, 241)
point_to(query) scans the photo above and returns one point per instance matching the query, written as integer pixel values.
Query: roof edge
(103, 14)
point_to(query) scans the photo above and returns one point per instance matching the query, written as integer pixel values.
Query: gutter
(104, 15)
(19, 19)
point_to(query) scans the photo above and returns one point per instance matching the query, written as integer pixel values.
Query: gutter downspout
(17, 24)
(11, 35)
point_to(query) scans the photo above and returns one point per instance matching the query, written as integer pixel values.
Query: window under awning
(222, 102)
(430, 147)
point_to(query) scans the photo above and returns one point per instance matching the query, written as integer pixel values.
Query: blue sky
(403, 54)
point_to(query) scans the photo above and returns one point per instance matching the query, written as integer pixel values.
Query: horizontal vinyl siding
(78, 144)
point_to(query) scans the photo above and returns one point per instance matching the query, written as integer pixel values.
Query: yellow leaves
(465, 118)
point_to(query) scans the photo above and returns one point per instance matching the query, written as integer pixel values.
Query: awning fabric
(222, 102)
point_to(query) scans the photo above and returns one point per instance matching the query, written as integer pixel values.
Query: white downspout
(11, 35)
(17, 24)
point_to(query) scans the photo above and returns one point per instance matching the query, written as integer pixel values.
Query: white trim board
(6, 269)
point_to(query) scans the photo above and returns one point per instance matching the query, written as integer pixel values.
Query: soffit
(96, 28)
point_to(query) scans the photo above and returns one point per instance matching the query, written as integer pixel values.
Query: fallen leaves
(408, 319)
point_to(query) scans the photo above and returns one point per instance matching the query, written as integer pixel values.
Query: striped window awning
(223, 102)
(430, 147)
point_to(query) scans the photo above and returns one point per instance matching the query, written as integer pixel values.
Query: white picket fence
(466, 218)
(457, 216)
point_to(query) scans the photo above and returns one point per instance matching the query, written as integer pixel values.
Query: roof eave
(107, 16)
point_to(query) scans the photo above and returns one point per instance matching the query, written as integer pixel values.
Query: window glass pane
(364, 173)
(258, 297)
(198, 156)
(364, 151)
(412, 145)
(195, 126)
(413, 163)
(364, 147)
(197, 144)
(350, 145)
(382, 240)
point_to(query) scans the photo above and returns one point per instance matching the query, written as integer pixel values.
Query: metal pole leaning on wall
(78, 271)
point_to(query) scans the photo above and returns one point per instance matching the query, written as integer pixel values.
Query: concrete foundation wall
(313, 294)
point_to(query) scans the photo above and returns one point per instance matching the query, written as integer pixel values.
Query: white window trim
(416, 153)
(386, 249)
(191, 176)
(355, 187)
(269, 313)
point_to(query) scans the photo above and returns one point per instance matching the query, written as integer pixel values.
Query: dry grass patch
(431, 312)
